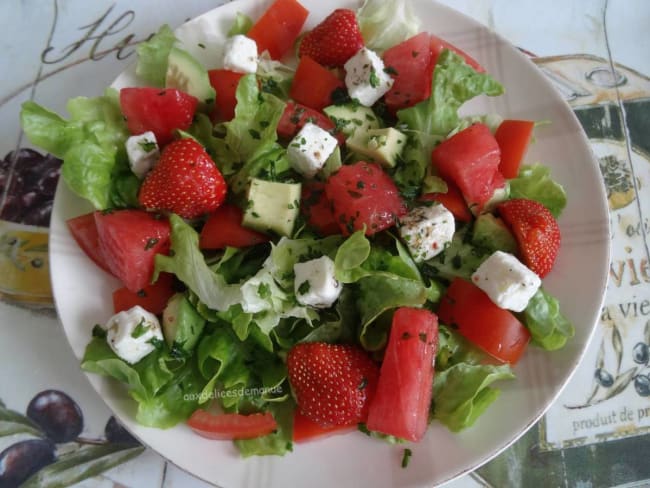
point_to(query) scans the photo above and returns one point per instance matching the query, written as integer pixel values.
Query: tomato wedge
(452, 200)
(313, 84)
(223, 228)
(225, 84)
(230, 426)
(306, 430)
(153, 297)
(513, 137)
(495, 330)
(277, 29)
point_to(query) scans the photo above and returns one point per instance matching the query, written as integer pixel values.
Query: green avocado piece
(182, 324)
(185, 73)
(351, 118)
(382, 146)
(492, 233)
(272, 206)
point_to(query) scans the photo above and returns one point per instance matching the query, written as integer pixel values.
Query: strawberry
(335, 40)
(536, 231)
(333, 383)
(185, 181)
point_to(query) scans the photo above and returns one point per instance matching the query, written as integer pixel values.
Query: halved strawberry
(333, 383)
(129, 241)
(536, 231)
(185, 181)
(335, 40)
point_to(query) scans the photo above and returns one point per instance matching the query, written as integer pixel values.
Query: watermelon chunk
(409, 63)
(470, 159)
(84, 231)
(129, 241)
(401, 403)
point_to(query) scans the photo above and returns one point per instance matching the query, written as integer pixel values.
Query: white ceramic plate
(83, 292)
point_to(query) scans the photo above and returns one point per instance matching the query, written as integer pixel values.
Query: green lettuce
(548, 328)
(535, 183)
(188, 264)
(91, 144)
(462, 393)
(385, 24)
(249, 143)
(153, 55)
(165, 389)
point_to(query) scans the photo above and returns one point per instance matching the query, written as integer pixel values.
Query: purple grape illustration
(57, 414)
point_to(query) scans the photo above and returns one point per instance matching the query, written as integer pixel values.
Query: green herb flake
(304, 287)
(406, 457)
(140, 329)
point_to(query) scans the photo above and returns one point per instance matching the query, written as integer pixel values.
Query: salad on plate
(309, 235)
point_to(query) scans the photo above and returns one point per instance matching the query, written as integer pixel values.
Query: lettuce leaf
(188, 264)
(153, 55)
(163, 387)
(462, 393)
(535, 182)
(548, 328)
(91, 144)
(385, 24)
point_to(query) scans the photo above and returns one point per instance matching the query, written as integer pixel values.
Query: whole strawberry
(335, 40)
(333, 383)
(536, 231)
(185, 181)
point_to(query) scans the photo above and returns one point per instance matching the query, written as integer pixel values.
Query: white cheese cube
(130, 333)
(315, 284)
(507, 281)
(143, 153)
(309, 149)
(240, 54)
(427, 230)
(365, 77)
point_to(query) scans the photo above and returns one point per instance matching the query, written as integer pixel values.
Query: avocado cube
(382, 146)
(272, 206)
(492, 233)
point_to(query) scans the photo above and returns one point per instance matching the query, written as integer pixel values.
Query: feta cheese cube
(143, 153)
(240, 54)
(365, 77)
(309, 149)
(507, 281)
(315, 284)
(129, 333)
(426, 231)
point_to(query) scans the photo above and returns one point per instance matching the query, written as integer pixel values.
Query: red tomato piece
(313, 84)
(84, 231)
(158, 110)
(363, 195)
(295, 116)
(513, 137)
(409, 63)
(306, 430)
(317, 209)
(223, 228)
(225, 84)
(470, 159)
(437, 45)
(495, 330)
(401, 403)
(453, 201)
(153, 297)
(129, 241)
(230, 426)
(278, 28)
